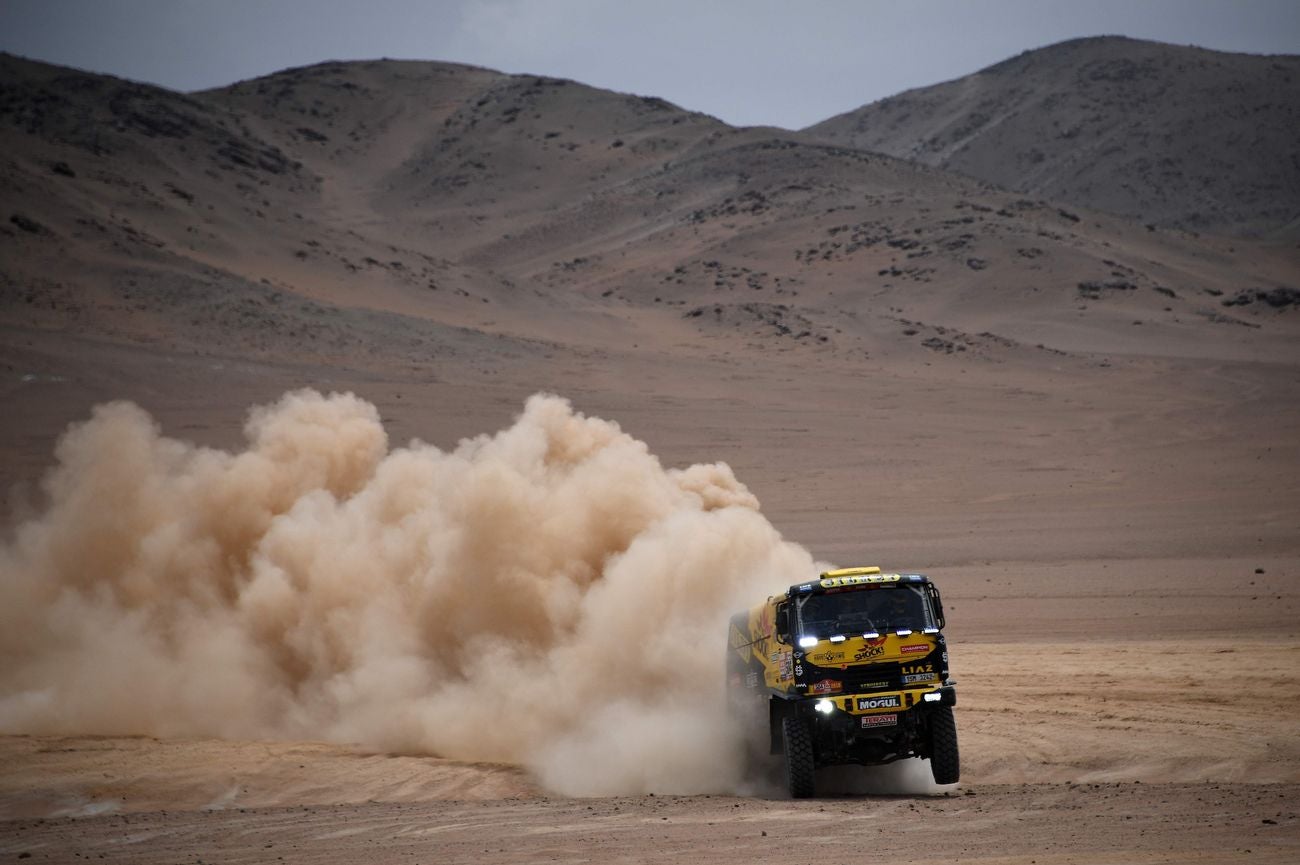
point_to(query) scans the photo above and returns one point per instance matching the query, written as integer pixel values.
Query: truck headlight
(932, 697)
(825, 707)
(807, 642)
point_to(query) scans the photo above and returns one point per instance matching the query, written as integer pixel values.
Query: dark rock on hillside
(1278, 298)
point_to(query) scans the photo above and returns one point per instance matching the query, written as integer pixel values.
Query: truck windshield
(864, 611)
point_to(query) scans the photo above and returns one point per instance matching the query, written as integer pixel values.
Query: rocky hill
(441, 205)
(1169, 135)
(393, 218)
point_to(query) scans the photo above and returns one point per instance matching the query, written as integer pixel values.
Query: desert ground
(1084, 428)
(1139, 756)
(1122, 607)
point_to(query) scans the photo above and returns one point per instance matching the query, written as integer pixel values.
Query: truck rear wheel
(945, 764)
(797, 742)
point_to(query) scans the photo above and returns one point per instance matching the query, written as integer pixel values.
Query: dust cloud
(549, 595)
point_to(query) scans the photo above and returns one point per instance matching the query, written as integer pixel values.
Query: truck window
(864, 611)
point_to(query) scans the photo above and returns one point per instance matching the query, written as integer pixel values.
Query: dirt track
(1130, 757)
(1015, 823)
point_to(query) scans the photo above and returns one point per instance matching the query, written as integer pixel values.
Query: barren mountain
(428, 206)
(1169, 135)
(427, 222)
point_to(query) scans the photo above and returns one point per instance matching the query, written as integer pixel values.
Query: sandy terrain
(1024, 823)
(1140, 756)
(1086, 431)
(1147, 719)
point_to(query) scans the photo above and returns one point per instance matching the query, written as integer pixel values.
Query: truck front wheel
(945, 764)
(797, 742)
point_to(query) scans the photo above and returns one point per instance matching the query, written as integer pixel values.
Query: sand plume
(548, 595)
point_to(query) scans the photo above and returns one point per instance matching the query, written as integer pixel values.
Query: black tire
(797, 741)
(945, 763)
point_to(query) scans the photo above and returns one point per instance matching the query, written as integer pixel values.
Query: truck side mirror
(937, 604)
(782, 624)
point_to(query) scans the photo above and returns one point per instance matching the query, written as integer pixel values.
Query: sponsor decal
(912, 650)
(798, 669)
(868, 652)
(827, 686)
(827, 657)
(837, 582)
(889, 701)
(880, 720)
(918, 668)
(919, 677)
(871, 686)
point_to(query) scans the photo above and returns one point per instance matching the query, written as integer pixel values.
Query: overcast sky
(785, 63)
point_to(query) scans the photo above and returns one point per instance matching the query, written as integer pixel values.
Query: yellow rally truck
(850, 668)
